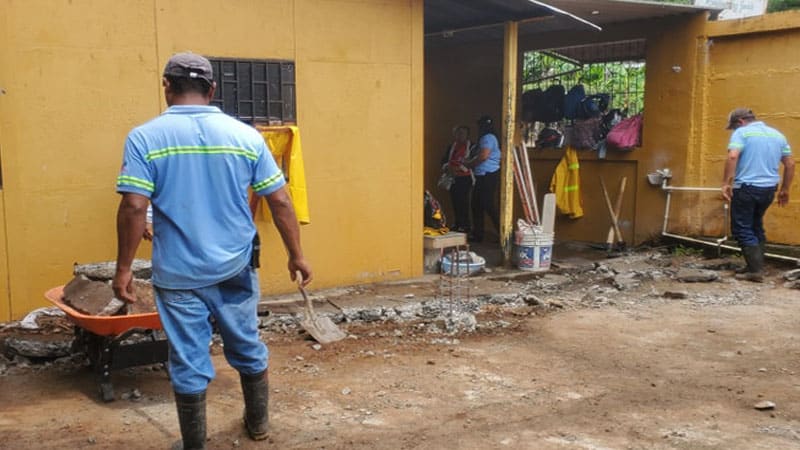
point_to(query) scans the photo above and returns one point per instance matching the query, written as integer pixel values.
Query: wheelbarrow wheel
(107, 392)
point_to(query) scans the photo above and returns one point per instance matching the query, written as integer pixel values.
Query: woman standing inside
(455, 164)
(486, 167)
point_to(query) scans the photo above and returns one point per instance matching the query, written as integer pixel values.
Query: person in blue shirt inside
(195, 165)
(486, 168)
(750, 181)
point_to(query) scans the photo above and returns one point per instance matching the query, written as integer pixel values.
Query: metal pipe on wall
(717, 243)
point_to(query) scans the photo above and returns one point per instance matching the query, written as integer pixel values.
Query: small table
(434, 246)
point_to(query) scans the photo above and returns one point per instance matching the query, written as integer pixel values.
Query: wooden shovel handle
(610, 209)
(309, 307)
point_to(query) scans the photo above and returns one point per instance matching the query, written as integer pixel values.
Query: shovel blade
(322, 329)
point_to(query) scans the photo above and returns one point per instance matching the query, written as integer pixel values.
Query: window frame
(256, 91)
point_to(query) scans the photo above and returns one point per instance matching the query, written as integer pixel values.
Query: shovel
(322, 329)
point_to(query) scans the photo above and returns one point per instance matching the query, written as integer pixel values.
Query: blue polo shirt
(761, 149)
(196, 163)
(491, 164)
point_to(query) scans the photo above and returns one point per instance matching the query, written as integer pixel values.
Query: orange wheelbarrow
(114, 342)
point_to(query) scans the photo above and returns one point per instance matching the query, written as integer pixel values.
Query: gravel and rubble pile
(431, 315)
(624, 282)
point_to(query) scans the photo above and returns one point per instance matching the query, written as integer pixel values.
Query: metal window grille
(622, 74)
(256, 91)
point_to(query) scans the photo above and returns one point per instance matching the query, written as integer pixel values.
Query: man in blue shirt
(750, 180)
(486, 167)
(195, 165)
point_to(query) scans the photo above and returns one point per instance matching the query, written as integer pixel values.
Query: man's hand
(783, 197)
(303, 267)
(727, 192)
(123, 285)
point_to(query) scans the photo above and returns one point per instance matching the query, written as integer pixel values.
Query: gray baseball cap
(738, 114)
(189, 65)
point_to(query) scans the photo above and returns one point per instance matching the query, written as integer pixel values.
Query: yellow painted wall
(752, 63)
(78, 78)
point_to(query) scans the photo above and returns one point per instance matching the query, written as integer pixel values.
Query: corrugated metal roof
(464, 21)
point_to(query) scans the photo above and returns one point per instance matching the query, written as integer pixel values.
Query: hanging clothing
(284, 144)
(566, 184)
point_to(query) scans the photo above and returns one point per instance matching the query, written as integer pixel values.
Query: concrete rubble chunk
(94, 298)
(716, 264)
(792, 275)
(145, 298)
(764, 405)
(532, 300)
(676, 294)
(696, 275)
(626, 281)
(104, 271)
(792, 284)
(37, 347)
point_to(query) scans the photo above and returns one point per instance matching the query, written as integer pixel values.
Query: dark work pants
(748, 206)
(484, 202)
(459, 195)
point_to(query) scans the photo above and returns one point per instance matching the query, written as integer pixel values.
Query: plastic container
(534, 251)
(465, 264)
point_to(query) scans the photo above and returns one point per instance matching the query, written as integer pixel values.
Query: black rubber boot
(192, 418)
(256, 404)
(754, 256)
(746, 267)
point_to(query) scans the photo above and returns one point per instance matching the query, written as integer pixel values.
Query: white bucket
(534, 251)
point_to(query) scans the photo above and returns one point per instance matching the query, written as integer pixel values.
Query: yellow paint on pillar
(509, 112)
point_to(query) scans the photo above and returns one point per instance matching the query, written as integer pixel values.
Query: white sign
(735, 9)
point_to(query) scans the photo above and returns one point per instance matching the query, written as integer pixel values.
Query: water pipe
(662, 177)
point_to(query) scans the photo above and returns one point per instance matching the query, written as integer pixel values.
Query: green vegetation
(681, 250)
(782, 5)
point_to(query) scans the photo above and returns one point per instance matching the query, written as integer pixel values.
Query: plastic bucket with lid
(534, 251)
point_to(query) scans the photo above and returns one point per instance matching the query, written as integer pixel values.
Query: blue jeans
(748, 206)
(186, 317)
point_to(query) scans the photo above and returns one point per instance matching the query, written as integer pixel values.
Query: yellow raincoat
(566, 184)
(284, 144)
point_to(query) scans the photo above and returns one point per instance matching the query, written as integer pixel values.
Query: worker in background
(749, 182)
(195, 164)
(454, 164)
(486, 168)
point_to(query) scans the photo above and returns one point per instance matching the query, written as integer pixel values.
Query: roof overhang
(466, 21)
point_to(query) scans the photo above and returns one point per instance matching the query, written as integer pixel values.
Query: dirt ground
(585, 365)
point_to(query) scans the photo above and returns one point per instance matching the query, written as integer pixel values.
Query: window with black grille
(256, 91)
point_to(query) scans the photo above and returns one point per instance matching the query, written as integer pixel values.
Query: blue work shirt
(492, 163)
(196, 163)
(761, 149)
